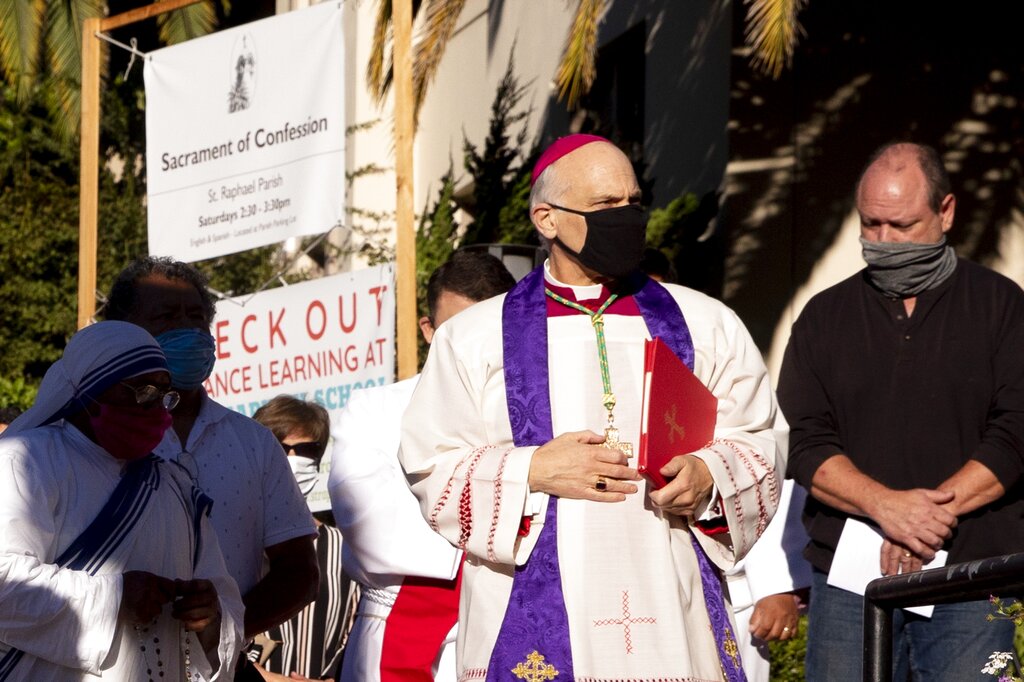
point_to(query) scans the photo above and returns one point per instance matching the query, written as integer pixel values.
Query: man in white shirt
(406, 619)
(264, 526)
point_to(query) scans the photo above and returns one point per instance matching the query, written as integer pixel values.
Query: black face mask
(615, 239)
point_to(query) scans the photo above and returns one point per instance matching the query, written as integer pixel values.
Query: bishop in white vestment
(619, 584)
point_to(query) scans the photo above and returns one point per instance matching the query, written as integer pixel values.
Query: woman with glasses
(108, 563)
(310, 643)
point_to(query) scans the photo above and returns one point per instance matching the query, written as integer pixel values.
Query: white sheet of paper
(856, 562)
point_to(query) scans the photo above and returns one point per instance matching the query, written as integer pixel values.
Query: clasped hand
(144, 595)
(573, 464)
(689, 486)
(915, 523)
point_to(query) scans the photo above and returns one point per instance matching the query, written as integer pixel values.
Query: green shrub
(788, 656)
(17, 392)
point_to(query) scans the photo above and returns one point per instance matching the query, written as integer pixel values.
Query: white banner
(318, 341)
(245, 135)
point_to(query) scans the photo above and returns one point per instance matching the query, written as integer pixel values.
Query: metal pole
(967, 581)
(877, 643)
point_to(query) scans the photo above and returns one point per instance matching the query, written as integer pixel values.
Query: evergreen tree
(38, 241)
(436, 238)
(501, 172)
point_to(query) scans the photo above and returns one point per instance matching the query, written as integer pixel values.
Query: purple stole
(535, 620)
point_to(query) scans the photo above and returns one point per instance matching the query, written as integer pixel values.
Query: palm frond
(379, 63)
(579, 60)
(63, 39)
(63, 33)
(187, 23)
(772, 32)
(442, 17)
(63, 101)
(21, 23)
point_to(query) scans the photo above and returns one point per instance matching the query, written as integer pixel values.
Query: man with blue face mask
(261, 517)
(517, 444)
(904, 389)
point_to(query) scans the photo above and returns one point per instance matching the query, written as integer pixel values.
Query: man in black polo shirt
(904, 389)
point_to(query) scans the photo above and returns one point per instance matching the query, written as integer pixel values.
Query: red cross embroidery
(626, 622)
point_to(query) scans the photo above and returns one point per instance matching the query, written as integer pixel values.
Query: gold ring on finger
(602, 484)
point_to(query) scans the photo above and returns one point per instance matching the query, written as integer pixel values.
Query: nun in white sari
(108, 564)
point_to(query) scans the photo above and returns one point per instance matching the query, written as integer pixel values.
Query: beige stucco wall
(686, 101)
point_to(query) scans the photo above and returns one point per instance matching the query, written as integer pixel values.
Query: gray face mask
(905, 269)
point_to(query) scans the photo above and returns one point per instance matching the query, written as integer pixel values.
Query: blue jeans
(953, 645)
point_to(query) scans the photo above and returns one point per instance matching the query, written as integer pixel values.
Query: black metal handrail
(968, 581)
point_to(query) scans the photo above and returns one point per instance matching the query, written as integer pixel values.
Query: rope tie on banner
(133, 49)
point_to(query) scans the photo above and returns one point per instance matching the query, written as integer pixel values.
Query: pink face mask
(130, 432)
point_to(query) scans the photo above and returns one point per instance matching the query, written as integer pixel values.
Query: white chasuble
(630, 578)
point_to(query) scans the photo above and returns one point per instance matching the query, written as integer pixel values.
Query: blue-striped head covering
(96, 358)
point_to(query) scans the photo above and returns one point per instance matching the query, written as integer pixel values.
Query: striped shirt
(311, 643)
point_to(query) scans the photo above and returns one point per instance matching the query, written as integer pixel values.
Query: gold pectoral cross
(612, 442)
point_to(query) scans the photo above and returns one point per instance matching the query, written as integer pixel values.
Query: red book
(678, 414)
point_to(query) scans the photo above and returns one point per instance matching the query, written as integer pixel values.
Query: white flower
(997, 660)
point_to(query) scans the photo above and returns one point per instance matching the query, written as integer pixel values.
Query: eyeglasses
(312, 450)
(148, 394)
